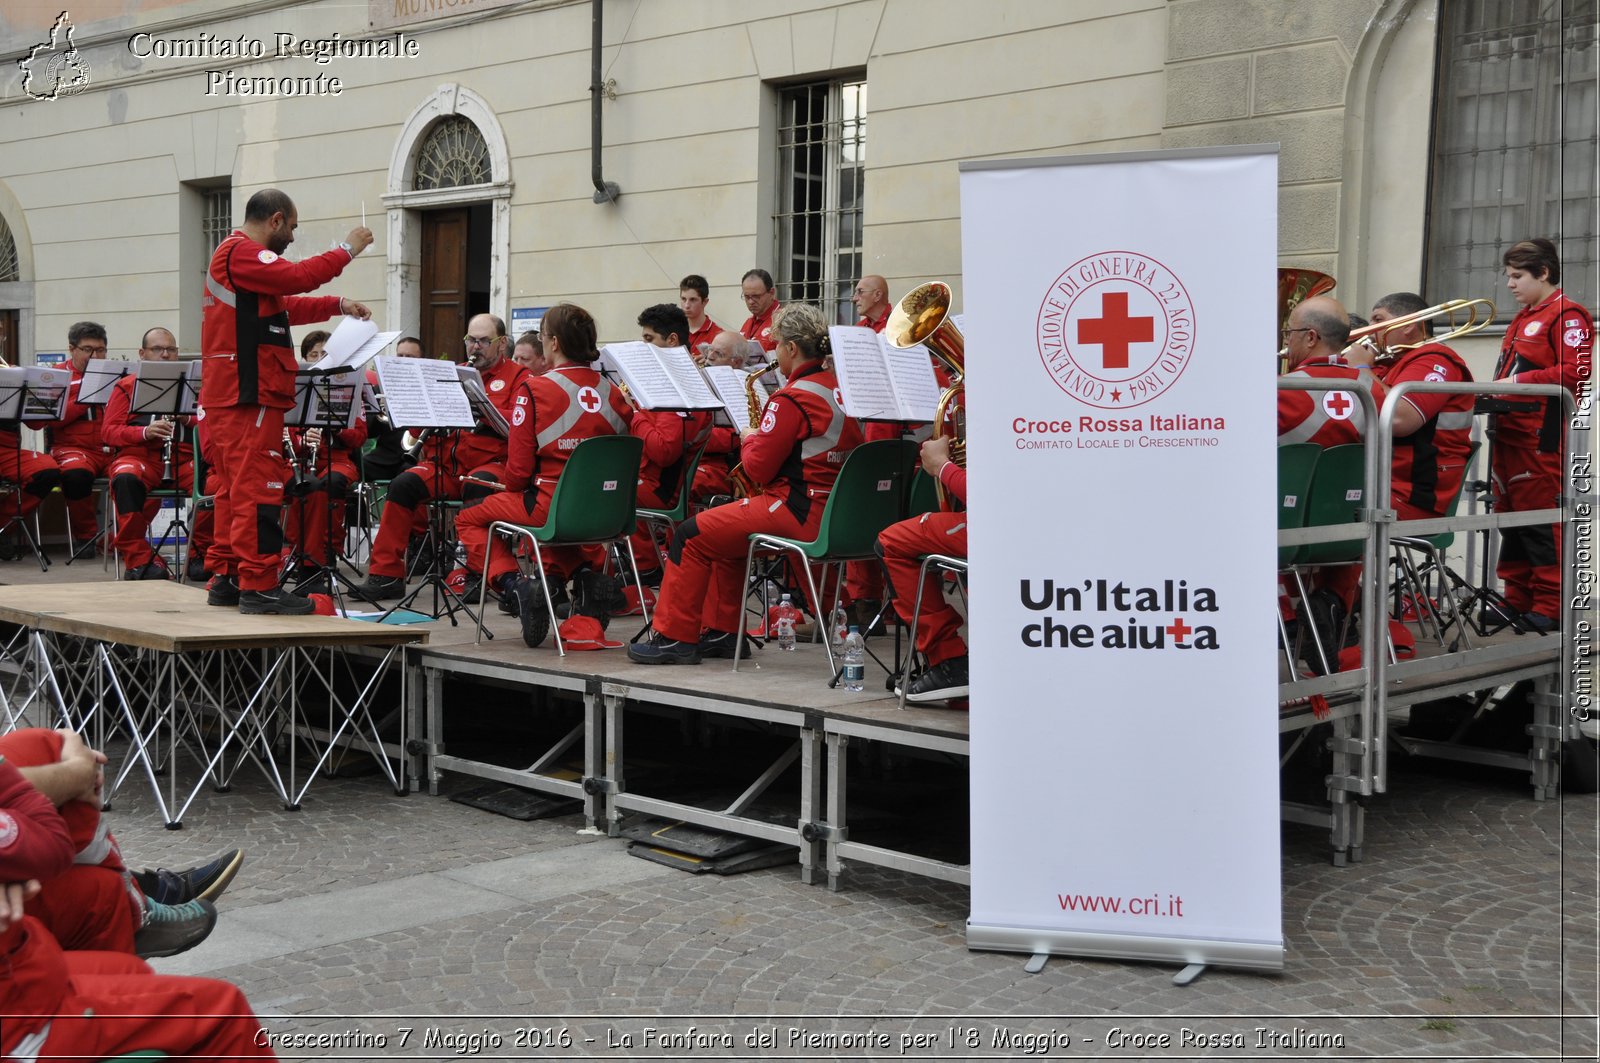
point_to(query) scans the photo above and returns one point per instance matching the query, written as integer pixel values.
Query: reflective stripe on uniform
(223, 295)
(828, 438)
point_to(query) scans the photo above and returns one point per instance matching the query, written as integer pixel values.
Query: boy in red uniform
(75, 439)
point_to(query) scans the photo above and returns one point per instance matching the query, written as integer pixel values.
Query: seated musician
(323, 470)
(388, 457)
(722, 445)
(1432, 432)
(901, 547)
(551, 413)
(35, 474)
(140, 466)
(1315, 340)
(75, 439)
(459, 464)
(795, 454)
(671, 438)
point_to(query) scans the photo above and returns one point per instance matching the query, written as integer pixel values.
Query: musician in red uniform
(140, 466)
(902, 547)
(872, 301)
(1315, 337)
(1432, 432)
(468, 465)
(327, 465)
(252, 297)
(796, 452)
(693, 295)
(75, 439)
(551, 414)
(36, 474)
(722, 445)
(1550, 341)
(93, 1005)
(762, 302)
(671, 438)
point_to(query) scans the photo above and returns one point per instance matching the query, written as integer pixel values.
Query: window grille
(454, 154)
(822, 142)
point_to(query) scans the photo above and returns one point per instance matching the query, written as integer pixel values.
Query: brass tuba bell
(923, 316)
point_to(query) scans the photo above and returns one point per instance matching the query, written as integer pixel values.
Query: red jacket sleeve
(34, 842)
(117, 431)
(1571, 340)
(662, 432)
(783, 424)
(954, 478)
(275, 275)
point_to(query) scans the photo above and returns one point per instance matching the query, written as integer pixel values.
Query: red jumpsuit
(76, 445)
(94, 903)
(136, 471)
(1551, 343)
(448, 458)
(760, 329)
(334, 467)
(902, 547)
(670, 439)
(1328, 419)
(796, 452)
(95, 1005)
(251, 300)
(552, 414)
(37, 474)
(1430, 463)
(722, 451)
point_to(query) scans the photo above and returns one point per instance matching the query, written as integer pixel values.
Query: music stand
(330, 403)
(99, 379)
(171, 389)
(1494, 612)
(30, 393)
(431, 396)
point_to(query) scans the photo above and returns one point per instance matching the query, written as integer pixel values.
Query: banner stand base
(1196, 954)
(1036, 962)
(1189, 974)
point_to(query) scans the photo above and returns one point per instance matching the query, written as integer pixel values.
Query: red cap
(585, 633)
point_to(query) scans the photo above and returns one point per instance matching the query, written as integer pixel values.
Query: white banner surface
(1120, 330)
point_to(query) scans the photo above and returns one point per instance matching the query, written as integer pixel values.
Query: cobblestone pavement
(1468, 932)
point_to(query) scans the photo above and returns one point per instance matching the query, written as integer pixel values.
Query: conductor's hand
(935, 455)
(159, 430)
(355, 309)
(360, 239)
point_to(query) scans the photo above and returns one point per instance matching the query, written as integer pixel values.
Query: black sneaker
(274, 602)
(722, 644)
(203, 883)
(1544, 625)
(1328, 616)
(598, 595)
(657, 650)
(940, 682)
(223, 591)
(195, 569)
(381, 588)
(173, 928)
(528, 595)
(155, 569)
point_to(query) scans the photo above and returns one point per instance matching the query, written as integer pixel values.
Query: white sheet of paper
(915, 386)
(649, 383)
(728, 383)
(46, 392)
(864, 378)
(424, 393)
(100, 376)
(686, 375)
(486, 411)
(353, 344)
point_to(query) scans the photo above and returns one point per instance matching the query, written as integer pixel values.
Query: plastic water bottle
(782, 621)
(838, 627)
(855, 660)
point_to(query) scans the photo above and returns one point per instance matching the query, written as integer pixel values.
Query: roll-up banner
(1121, 436)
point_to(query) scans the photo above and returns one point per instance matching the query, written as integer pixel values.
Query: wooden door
(9, 341)
(444, 282)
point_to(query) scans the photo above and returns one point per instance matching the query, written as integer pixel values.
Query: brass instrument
(1295, 286)
(412, 443)
(742, 487)
(1480, 314)
(923, 316)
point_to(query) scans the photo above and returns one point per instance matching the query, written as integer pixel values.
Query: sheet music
(166, 389)
(728, 383)
(649, 383)
(915, 386)
(313, 397)
(864, 378)
(686, 375)
(488, 413)
(46, 388)
(423, 393)
(353, 343)
(99, 377)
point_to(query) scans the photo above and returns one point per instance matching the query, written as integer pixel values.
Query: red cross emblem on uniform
(1338, 405)
(589, 399)
(1114, 331)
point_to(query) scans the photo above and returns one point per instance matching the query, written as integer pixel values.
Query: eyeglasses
(479, 341)
(163, 350)
(1284, 333)
(92, 351)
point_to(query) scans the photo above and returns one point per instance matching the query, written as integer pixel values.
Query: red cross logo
(589, 399)
(1179, 630)
(1338, 405)
(1115, 331)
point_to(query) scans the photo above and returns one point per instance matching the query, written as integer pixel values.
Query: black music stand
(37, 395)
(1494, 612)
(99, 379)
(161, 392)
(324, 407)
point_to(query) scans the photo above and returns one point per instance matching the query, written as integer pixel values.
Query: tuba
(1295, 286)
(742, 487)
(923, 316)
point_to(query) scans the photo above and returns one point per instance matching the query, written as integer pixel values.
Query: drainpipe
(604, 191)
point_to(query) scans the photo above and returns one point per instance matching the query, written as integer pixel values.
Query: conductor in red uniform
(252, 297)
(1550, 341)
(796, 453)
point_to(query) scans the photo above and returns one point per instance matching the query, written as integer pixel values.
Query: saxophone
(742, 487)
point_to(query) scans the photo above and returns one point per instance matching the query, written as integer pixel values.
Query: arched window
(10, 266)
(454, 154)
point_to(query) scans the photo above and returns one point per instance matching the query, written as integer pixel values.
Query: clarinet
(169, 465)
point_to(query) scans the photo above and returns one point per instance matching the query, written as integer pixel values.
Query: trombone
(1480, 314)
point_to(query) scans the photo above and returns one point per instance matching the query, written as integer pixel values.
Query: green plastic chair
(667, 520)
(1337, 496)
(868, 496)
(594, 502)
(924, 495)
(1296, 464)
